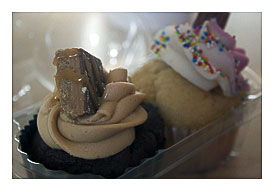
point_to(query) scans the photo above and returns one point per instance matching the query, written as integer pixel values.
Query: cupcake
(95, 122)
(196, 76)
(193, 76)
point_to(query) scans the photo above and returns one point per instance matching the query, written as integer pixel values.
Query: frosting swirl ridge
(108, 131)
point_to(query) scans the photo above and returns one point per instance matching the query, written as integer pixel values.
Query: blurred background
(120, 39)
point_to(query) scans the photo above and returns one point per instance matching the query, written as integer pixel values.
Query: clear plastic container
(193, 153)
(116, 45)
(118, 39)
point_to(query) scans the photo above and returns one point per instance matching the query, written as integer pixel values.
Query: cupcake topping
(79, 79)
(204, 55)
(109, 129)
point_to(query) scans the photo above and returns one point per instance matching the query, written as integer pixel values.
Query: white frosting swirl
(206, 56)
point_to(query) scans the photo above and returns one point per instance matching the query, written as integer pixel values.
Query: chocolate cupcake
(94, 122)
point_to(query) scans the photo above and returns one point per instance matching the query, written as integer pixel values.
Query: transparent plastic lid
(118, 39)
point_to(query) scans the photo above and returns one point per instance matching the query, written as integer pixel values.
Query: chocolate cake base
(149, 138)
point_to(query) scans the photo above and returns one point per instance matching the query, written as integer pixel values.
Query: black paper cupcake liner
(149, 139)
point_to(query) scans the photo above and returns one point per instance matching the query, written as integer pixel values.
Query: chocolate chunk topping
(79, 80)
(221, 17)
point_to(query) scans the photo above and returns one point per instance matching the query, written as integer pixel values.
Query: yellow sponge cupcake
(181, 103)
(195, 76)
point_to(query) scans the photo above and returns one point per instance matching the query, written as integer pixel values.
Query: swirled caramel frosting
(91, 113)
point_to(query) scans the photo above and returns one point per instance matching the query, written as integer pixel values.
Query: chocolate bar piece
(79, 80)
(221, 17)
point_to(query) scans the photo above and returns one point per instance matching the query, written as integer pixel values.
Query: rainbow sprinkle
(190, 40)
(160, 44)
